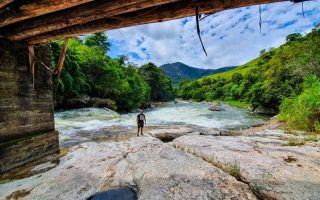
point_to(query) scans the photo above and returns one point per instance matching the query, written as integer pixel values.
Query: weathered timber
(5, 2)
(76, 15)
(22, 10)
(150, 15)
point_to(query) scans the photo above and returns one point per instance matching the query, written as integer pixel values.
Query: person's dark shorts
(140, 124)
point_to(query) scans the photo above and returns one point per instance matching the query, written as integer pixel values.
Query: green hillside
(179, 72)
(278, 76)
(243, 69)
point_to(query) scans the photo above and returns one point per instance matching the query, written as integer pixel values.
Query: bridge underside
(39, 21)
(26, 106)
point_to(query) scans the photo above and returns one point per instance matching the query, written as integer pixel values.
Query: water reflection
(115, 194)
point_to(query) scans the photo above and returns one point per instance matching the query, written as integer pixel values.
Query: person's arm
(137, 119)
(145, 120)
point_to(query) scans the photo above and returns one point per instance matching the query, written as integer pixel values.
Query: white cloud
(231, 37)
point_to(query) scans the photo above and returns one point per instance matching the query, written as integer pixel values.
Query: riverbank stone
(151, 168)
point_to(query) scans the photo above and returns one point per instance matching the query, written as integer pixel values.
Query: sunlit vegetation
(88, 70)
(303, 111)
(284, 78)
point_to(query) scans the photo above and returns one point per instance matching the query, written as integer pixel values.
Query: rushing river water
(182, 113)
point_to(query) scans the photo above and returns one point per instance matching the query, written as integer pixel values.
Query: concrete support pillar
(27, 129)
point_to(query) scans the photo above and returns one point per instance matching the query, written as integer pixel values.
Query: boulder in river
(77, 102)
(103, 103)
(216, 108)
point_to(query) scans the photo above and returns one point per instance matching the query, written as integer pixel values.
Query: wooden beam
(22, 10)
(149, 15)
(5, 2)
(77, 15)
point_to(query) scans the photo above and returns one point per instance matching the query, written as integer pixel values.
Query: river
(82, 122)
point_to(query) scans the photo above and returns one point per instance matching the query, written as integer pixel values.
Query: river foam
(182, 113)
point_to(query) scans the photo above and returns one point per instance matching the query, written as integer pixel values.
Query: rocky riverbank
(186, 162)
(85, 101)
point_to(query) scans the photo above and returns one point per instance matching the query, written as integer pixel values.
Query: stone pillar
(27, 129)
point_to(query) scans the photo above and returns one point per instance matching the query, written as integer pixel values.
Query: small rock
(216, 108)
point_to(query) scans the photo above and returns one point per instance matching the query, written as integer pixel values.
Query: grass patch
(238, 104)
(295, 142)
(311, 138)
(234, 169)
(231, 168)
(289, 130)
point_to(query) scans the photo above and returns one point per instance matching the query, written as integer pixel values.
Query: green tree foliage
(276, 75)
(88, 70)
(160, 84)
(293, 37)
(98, 40)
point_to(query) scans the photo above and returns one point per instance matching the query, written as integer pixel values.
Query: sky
(231, 37)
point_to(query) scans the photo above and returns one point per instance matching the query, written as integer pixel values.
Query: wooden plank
(150, 15)
(5, 2)
(77, 15)
(22, 10)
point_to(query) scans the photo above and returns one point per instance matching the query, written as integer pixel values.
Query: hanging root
(198, 16)
(260, 18)
(302, 8)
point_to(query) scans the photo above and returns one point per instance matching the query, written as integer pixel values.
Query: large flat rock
(151, 168)
(273, 170)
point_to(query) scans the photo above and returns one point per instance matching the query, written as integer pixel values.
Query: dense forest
(88, 71)
(285, 79)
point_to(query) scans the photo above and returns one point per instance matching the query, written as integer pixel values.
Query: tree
(293, 37)
(159, 82)
(98, 40)
(88, 70)
(236, 78)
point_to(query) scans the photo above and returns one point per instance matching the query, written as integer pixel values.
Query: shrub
(303, 112)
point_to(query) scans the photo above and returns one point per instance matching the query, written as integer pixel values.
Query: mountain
(179, 71)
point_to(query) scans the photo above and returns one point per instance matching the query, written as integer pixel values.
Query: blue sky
(231, 37)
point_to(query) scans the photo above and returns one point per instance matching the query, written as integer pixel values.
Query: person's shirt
(141, 118)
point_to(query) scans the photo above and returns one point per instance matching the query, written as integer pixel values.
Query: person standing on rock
(141, 121)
